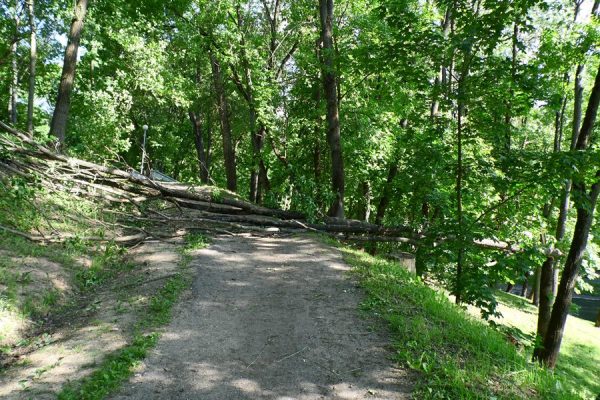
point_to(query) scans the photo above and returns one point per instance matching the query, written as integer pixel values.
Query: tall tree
(586, 203)
(58, 126)
(548, 279)
(223, 106)
(333, 117)
(202, 150)
(14, 86)
(32, 64)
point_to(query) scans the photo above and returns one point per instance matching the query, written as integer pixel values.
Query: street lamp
(145, 128)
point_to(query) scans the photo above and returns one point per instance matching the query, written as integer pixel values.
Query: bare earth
(270, 318)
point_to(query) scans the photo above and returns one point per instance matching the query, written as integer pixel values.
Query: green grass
(116, 368)
(456, 355)
(579, 360)
(105, 265)
(195, 241)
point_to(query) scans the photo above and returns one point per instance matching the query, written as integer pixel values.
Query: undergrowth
(457, 356)
(117, 367)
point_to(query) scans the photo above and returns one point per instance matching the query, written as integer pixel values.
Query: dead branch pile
(193, 207)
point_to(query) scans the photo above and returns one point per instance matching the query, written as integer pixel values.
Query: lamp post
(145, 128)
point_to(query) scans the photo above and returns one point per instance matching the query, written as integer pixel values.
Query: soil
(270, 318)
(70, 344)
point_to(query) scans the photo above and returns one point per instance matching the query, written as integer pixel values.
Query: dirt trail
(269, 318)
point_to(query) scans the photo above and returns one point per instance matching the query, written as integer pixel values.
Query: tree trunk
(598, 320)
(549, 274)
(459, 211)
(259, 171)
(363, 211)
(386, 195)
(546, 301)
(32, 65)
(200, 151)
(535, 293)
(223, 105)
(58, 126)
(586, 203)
(525, 287)
(14, 86)
(208, 147)
(333, 119)
(548, 353)
(440, 79)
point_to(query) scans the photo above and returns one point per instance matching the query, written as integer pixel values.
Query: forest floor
(63, 316)
(270, 318)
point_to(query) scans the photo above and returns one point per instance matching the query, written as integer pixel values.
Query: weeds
(117, 367)
(457, 356)
(195, 241)
(105, 265)
(114, 370)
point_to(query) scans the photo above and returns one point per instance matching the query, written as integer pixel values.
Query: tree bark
(333, 118)
(459, 211)
(461, 94)
(363, 210)
(14, 85)
(598, 320)
(549, 270)
(32, 64)
(546, 297)
(535, 293)
(200, 150)
(386, 195)
(440, 79)
(586, 203)
(223, 105)
(58, 126)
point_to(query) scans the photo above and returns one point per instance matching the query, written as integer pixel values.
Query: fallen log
(24, 157)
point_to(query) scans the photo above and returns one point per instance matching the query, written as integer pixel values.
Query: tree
(32, 64)
(333, 116)
(14, 87)
(585, 203)
(58, 126)
(202, 150)
(223, 106)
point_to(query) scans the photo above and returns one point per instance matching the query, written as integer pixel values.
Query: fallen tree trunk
(26, 158)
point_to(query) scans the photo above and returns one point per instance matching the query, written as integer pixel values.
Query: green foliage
(114, 370)
(456, 355)
(105, 265)
(17, 208)
(510, 64)
(195, 241)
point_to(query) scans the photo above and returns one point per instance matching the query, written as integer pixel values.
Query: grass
(117, 367)
(195, 241)
(106, 261)
(456, 355)
(105, 265)
(579, 360)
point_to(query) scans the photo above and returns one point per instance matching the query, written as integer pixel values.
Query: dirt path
(269, 318)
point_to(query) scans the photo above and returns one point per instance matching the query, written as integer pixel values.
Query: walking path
(270, 318)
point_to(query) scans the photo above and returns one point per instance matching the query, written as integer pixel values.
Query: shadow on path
(270, 318)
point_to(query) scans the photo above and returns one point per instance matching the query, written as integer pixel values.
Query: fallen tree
(208, 207)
